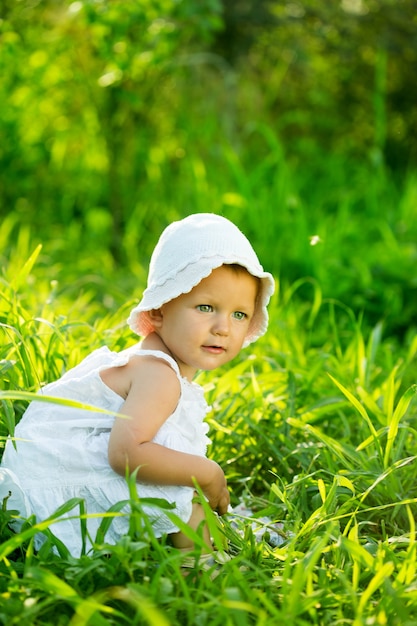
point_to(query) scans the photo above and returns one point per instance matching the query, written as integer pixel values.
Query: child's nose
(221, 325)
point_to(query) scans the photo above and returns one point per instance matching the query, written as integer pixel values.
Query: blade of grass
(399, 413)
(24, 272)
(361, 410)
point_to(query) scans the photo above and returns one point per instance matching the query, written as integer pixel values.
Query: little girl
(206, 298)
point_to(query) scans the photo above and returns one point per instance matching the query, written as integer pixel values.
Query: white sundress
(62, 452)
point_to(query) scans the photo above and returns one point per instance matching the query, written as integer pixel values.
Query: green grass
(315, 424)
(315, 427)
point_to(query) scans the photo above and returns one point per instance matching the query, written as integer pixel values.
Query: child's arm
(152, 397)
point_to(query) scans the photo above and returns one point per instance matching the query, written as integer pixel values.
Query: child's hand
(216, 489)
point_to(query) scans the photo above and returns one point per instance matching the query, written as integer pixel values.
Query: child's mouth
(214, 349)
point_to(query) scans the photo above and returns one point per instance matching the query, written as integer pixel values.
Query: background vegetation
(296, 120)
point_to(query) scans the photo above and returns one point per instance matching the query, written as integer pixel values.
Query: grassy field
(315, 425)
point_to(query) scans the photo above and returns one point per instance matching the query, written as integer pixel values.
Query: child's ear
(156, 316)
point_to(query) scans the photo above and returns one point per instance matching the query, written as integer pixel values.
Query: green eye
(239, 315)
(205, 308)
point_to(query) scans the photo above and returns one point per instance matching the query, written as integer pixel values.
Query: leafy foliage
(292, 119)
(333, 75)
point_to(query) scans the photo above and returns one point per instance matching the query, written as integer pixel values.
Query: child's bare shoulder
(147, 371)
(149, 365)
(141, 372)
(153, 385)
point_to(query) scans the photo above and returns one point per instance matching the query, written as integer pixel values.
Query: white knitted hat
(188, 251)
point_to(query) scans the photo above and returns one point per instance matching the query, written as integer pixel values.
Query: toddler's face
(206, 327)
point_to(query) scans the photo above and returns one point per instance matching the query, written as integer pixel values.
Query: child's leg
(181, 541)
